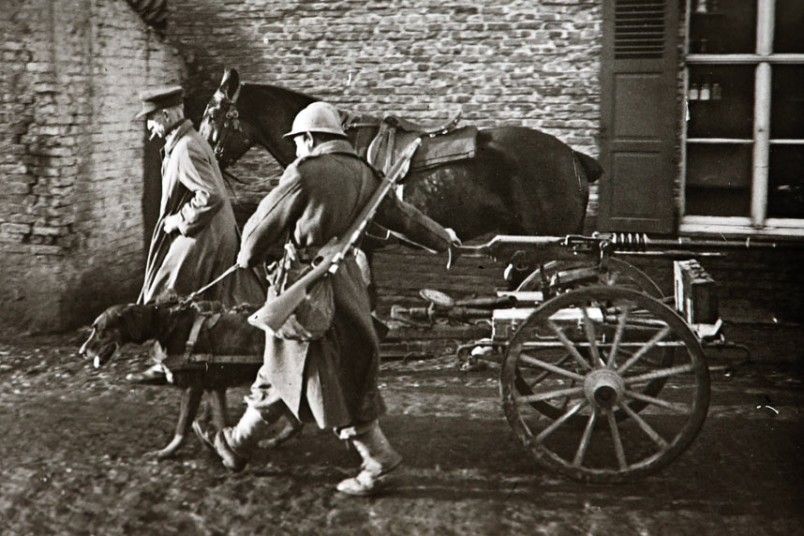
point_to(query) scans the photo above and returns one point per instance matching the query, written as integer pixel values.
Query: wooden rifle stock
(273, 315)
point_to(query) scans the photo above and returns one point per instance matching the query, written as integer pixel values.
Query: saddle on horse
(380, 141)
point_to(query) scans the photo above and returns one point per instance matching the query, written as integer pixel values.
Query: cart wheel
(620, 273)
(588, 352)
(623, 274)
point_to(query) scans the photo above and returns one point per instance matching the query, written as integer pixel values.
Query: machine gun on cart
(601, 379)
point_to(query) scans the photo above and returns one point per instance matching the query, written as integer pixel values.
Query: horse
(520, 180)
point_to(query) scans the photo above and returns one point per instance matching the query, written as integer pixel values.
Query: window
(744, 135)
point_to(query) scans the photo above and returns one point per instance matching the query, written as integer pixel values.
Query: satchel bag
(314, 316)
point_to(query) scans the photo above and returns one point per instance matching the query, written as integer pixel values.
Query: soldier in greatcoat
(332, 380)
(196, 237)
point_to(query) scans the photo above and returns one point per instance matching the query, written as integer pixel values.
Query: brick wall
(71, 237)
(761, 298)
(512, 62)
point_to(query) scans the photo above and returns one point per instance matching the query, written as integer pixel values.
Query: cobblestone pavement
(71, 461)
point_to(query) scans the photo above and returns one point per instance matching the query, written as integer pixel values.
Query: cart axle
(603, 387)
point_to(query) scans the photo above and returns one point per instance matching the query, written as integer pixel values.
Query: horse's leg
(190, 399)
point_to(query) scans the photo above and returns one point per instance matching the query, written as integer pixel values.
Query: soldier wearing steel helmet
(331, 381)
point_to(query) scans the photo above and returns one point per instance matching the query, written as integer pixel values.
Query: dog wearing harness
(203, 348)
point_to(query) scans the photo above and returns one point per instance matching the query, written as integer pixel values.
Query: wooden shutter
(639, 80)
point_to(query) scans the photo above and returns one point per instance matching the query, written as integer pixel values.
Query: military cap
(160, 98)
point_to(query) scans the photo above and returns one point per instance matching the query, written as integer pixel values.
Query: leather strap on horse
(231, 121)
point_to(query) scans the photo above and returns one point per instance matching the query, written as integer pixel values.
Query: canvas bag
(314, 316)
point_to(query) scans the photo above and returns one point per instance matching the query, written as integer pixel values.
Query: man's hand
(243, 259)
(171, 223)
(452, 252)
(453, 237)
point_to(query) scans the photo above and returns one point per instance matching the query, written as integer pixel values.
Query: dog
(224, 332)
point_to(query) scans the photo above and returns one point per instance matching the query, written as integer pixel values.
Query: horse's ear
(230, 83)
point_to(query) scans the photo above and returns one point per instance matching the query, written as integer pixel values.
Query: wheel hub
(603, 388)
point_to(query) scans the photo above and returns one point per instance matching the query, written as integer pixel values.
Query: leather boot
(234, 445)
(379, 459)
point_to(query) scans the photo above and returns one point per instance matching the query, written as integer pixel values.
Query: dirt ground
(73, 443)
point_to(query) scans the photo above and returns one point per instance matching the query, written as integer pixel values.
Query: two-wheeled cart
(602, 379)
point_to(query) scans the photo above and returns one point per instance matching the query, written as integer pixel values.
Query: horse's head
(229, 137)
(116, 326)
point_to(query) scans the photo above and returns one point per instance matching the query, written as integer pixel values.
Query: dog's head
(115, 326)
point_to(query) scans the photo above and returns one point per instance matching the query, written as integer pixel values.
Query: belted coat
(207, 240)
(332, 379)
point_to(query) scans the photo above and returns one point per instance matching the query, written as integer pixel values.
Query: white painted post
(762, 112)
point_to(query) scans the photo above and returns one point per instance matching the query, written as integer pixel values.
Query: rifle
(273, 315)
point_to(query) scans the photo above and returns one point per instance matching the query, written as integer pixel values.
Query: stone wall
(71, 238)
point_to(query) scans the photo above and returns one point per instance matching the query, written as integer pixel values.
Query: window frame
(758, 223)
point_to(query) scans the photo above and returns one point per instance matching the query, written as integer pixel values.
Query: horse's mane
(256, 93)
(291, 93)
(259, 102)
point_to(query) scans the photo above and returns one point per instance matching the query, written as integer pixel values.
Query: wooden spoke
(561, 420)
(645, 349)
(589, 330)
(653, 434)
(615, 436)
(548, 366)
(618, 335)
(546, 373)
(567, 399)
(661, 373)
(672, 406)
(585, 439)
(570, 391)
(568, 345)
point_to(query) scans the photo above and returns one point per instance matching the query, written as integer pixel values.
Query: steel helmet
(317, 117)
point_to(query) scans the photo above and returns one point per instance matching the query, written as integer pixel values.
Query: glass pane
(789, 23)
(718, 179)
(786, 181)
(721, 100)
(787, 101)
(723, 26)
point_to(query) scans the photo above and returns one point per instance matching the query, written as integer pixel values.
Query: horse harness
(231, 122)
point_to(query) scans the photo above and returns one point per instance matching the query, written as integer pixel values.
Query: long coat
(206, 241)
(318, 197)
